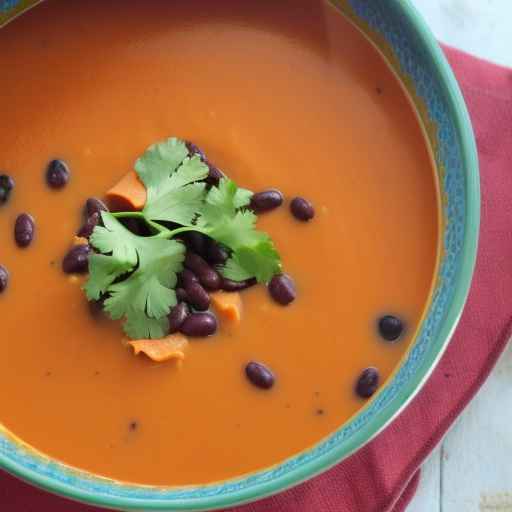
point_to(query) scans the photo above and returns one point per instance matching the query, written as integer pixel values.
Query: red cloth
(380, 478)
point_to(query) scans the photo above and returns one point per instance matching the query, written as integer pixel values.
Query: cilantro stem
(162, 232)
(184, 229)
(126, 215)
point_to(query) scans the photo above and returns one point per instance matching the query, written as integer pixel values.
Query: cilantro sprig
(138, 274)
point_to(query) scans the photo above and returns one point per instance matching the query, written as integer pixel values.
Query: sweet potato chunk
(171, 347)
(80, 240)
(228, 305)
(129, 194)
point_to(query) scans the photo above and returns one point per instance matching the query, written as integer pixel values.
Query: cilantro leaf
(236, 231)
(160, 160)
(234, 270)
(226, 198)
(139, 326)
(260, 260)
(103, 271)
(224, 219)
(138, 274)
(242, 197)
(113, 239)
(171, 180)
(147, 294)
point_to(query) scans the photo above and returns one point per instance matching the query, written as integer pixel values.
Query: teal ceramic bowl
(398, 31)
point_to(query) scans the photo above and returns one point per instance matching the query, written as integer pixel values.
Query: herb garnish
(138, 274)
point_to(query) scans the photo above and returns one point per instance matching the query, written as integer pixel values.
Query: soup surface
(279, 94)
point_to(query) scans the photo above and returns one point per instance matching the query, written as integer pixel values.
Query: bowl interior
(399, 33)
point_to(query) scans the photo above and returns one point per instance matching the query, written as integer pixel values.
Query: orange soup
(282, 94)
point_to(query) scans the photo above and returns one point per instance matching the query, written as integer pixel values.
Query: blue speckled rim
(421, 59)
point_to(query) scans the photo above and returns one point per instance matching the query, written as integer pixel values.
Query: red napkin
(380, 478)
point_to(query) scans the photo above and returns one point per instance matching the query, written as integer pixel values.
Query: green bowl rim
(463, 127)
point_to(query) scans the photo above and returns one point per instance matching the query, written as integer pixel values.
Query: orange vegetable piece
(127, 194)
(228, 305)
(171, 347)
(80, 240)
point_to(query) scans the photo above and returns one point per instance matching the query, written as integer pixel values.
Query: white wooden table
(471, 470)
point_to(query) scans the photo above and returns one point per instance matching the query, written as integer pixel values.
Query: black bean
(186, 277)
(57, 174)
(196, 242)
(181, 295)
(194, 150)
(4, 278)
(88, 227)
(228, 285)
(266, 200)
(96, 307)
(210, 279)
(214, 175)
(177, 316)
(207, 276)
(135, 226)
(6, 187)
(76, 260)
(24, 230)
(259, 375)
(199, 325)
(94, 205)
(368, 382)
(216, 254)
(302, 209)
(282, 289)
(390, 327)
(198, 297)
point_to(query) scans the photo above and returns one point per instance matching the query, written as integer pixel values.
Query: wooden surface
(479, 27)
(471, 471)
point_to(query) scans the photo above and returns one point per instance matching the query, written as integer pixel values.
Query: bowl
(399, 33)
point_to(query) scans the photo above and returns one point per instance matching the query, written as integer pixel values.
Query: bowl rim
(463, 128)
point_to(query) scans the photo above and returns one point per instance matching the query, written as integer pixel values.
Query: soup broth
(281, 94)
